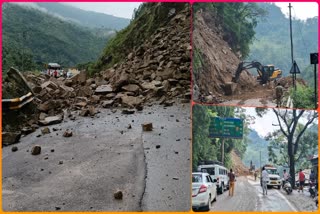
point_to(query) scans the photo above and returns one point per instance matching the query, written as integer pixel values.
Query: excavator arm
(247, 65)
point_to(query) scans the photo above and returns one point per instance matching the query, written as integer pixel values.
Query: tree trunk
(291, 162)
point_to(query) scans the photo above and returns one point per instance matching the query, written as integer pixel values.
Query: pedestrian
(301, 180)
(312, 176)
(255, 175)
(232, 179)
(264, 179)
(285, 177)
(279, 94)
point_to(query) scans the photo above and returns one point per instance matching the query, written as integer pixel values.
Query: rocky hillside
(214, 62)
(155, 72)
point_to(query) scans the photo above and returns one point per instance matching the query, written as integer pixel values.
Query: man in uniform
(279, 94)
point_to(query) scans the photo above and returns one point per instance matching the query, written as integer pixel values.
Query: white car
(217, 172)
(204, 191)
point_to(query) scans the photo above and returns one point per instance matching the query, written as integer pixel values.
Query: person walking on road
(301, 180)
(255, 175)
(265, 179)
(279, 94)
(232, 179)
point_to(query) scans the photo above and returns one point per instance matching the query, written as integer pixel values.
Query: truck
(274, 178)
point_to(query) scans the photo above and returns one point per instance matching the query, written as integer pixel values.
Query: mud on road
(82, 172)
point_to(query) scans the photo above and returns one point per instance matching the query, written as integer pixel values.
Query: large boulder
(131, 101)
(51, 120)
(9, 138)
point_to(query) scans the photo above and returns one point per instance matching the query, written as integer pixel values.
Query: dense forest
(272, 41)
(238, 21)
(205, 148)
(31, 38)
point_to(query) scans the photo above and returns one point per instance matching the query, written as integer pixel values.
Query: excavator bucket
(229, 88)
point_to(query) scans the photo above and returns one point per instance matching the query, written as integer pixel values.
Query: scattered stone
(128, 111)
(52, 150)
(129, 126)
(147, 127)
(60, 162)
(9, 138)
(27, 130)
(84, 112)
(67, 133)
(118, 195)
(107, 104)
(104, 89)
(57, 208)
(14, 149)
(36, 150)
(45, 130)
(157, 146)
(51, 120)
(175, 178)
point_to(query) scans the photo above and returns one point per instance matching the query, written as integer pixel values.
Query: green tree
(290, 135)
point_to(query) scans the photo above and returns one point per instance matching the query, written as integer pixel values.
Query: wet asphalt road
(101, 157)
(248, 197)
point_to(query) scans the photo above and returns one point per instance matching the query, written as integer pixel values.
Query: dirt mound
(218, 63)
(157, 72)
(237, 165)
(287, 81)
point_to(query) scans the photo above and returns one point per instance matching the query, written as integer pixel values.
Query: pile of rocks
(157, 72)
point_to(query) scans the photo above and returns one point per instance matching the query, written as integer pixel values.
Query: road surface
(248, 197)
(82, 172)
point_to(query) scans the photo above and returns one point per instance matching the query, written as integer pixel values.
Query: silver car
(204, 191)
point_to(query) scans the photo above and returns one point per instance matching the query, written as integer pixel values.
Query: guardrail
(16, 103)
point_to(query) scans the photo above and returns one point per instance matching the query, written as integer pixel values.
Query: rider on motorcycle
(285, 177)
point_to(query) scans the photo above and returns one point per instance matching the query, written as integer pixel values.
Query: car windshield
(272, 171)
(196, 179)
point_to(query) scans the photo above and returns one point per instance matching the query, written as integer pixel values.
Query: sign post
(225, 128)
(314, 61)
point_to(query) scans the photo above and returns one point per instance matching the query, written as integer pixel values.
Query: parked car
(216, 171)
(204, 191)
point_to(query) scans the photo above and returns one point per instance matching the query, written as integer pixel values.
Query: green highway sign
(226, 128)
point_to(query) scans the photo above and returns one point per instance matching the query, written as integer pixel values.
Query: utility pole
(222, 151)
(294, 73)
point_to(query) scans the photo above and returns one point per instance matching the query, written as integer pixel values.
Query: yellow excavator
(266, 73)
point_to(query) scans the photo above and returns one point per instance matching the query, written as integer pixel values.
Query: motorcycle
(287, 186)
(313, 189)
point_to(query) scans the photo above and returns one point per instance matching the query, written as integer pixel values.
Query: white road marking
(286, 200)
(277, 191)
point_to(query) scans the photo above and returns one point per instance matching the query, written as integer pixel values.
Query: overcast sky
(264, 125)
(119, 9)
(301, 10)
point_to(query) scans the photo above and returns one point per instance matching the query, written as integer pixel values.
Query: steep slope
(87, 18)
(214, 63)
(237, 165)
(45, 38)
(149, 18)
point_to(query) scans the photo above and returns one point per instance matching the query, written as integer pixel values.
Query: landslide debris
(154, 72)
(214, 62)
